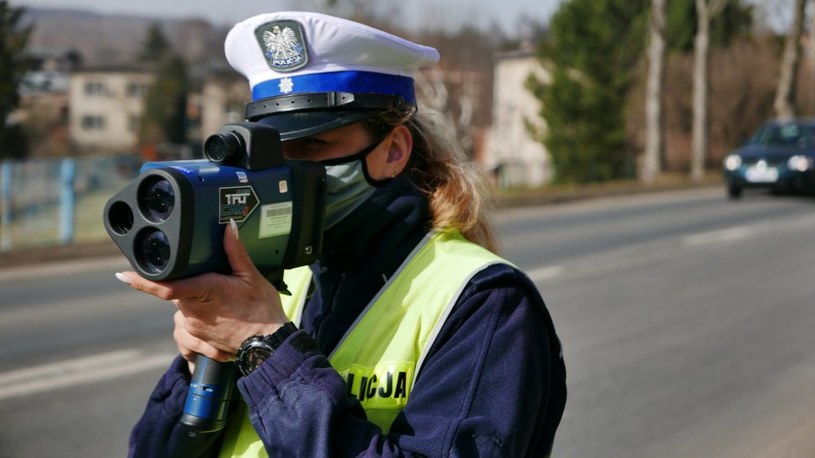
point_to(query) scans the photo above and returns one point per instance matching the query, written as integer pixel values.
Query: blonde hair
(457, 191)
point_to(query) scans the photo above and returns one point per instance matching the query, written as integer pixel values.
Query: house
(514, 158)
(106, 106)
(222, 100)
(43, 109)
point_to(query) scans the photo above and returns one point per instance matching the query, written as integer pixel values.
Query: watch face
(257, 349)
(256, 355)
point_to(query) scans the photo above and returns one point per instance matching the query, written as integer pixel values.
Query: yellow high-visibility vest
(383, 351)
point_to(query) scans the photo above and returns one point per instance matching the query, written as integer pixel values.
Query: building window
(95, 88)
(93, 122)
(136, 90)
(133, 124)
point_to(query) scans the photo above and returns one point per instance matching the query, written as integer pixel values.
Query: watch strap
(276, 339)
(271, 342)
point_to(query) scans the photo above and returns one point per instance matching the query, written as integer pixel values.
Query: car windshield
(791, 134)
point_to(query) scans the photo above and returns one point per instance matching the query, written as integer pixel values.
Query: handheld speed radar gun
(170, 221)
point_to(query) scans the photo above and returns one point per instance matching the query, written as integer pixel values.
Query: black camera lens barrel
(247, 145)
(222, 147)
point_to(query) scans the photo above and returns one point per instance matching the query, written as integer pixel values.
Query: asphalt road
(687, 323)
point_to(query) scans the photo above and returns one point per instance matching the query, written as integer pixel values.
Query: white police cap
(310, 72)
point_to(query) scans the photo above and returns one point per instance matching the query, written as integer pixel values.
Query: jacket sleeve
(158, 433)
(493, 384)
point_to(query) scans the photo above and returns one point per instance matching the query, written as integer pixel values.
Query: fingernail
(234, 226)
(123, 278)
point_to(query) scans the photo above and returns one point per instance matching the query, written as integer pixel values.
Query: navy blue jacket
(493, 383)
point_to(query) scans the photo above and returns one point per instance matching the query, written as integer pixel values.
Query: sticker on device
(236, 202)
(275, 219)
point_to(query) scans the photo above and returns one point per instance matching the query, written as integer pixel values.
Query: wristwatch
(257, 349)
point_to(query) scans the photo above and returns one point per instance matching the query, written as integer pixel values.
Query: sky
(413, 14)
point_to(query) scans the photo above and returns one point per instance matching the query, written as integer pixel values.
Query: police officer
(409, 336)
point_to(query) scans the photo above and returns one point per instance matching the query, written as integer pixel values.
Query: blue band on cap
(350, 81)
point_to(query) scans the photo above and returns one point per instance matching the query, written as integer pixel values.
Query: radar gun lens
(156, 199)
(153, 250)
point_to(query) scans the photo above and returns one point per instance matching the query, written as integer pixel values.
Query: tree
(164, 119)
(681, 24)
(591, 51)
(13, 41)
(654, 123)
(155, 47)
(705, 10)
(785, 105)
(459, 87)
(165, 106)
(732, 26)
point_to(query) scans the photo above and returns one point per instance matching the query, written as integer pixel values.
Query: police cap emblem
(283, 44)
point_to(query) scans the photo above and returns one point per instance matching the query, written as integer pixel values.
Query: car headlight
(732, 162)
(799, 163)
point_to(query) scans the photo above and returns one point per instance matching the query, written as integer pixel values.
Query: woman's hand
(216, 313)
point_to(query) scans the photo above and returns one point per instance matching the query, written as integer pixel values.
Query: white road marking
(629, 256)
(724, 235)
(61, 268)
(545, 273)
(79, 371)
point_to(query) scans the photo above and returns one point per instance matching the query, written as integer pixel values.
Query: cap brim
(307, 123)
